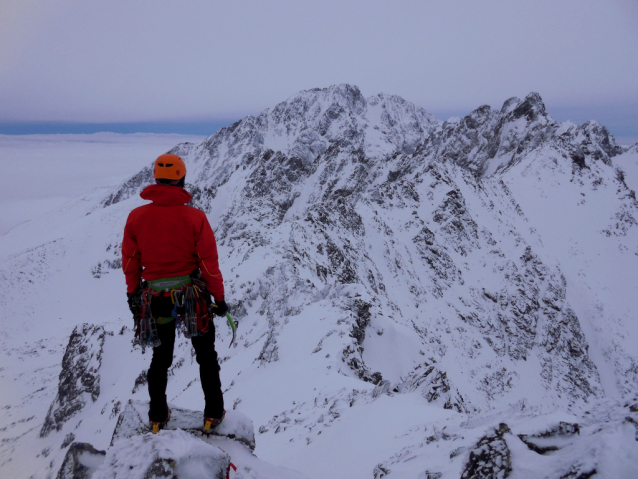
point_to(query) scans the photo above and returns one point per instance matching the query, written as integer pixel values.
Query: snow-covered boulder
(81, 461)
(172, 453)
(180, 451)
(134, 421)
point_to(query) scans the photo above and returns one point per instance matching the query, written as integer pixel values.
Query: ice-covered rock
(81, 461)
(181, 450)
(134, 421)
(490, 458)
(79, 378)
(171, 453)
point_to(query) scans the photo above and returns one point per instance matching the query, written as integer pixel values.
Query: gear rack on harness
(191, 310)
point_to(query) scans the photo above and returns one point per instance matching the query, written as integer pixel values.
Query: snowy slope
(403, 286)
(628, 164)
(49, 170)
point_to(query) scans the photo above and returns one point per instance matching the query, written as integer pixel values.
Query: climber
(167, 246)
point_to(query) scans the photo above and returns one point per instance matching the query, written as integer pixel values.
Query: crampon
(156, 426)
(210, 423)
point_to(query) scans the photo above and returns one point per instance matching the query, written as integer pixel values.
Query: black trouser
(206, 357)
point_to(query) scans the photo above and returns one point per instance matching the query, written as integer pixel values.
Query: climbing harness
(192, 309)
(191, 304)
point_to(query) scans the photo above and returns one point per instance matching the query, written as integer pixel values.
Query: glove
(135, 305)
(220, 308)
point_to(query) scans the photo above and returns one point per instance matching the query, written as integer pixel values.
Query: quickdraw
(191, 304)
(192, 310)
(145, 325)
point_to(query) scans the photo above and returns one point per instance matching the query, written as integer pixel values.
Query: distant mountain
(433, 278)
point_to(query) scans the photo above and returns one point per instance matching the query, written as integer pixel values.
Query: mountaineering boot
(160, 425)
(210, 423)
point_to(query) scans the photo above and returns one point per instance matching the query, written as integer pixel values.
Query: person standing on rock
(169, 245)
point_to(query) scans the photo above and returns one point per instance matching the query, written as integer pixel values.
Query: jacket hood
(166, 195)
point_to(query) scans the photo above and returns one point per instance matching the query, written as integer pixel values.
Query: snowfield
(415, 298)
(49, 170)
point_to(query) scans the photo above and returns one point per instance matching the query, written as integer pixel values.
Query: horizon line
(622, 133)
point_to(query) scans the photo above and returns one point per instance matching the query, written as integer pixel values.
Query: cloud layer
(164, 60)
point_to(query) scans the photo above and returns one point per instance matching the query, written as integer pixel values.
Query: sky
(208, 62)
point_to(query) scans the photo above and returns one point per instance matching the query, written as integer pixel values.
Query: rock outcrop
(80, 376)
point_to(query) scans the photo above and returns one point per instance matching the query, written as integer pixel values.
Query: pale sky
(201, 60)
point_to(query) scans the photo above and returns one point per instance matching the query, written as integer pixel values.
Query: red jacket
(167, 238)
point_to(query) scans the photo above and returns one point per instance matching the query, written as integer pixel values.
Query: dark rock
(80, 461)
(380, 471)
(490, 458)
(140, 381)
(80, 376)
(539, 443)
(578, 473)
(579, 160)
(161, 467)
(435, 387)
(68, 439)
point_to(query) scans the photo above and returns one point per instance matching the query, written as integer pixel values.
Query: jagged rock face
(170, 454)
(487, 141)
(440, 278)
(333, 184)
(490, 458)
(483, 447)
(80, 462)
(79, 378)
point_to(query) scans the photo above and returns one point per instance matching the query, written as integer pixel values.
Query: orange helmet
(169, 167)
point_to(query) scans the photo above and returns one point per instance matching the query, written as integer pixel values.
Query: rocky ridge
(336, 195)
(480, 266)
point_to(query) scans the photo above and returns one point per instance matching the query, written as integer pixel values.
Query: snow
(628, 163)
(48, 170)
(193, 458)
(428, 274)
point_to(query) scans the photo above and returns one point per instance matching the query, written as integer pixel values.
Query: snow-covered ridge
(309, 123)
(439, 277)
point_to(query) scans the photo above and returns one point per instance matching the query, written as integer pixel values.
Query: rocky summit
(415, 297)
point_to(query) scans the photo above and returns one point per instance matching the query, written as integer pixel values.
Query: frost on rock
(435, 387)
(134, 421)
(171, 453)
(81, 461)
(490, 458)
(79, 379)
(542, 442)
(180, 450)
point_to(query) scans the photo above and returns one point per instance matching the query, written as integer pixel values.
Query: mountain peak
(347, 96)
(483, 266)
(531, 108)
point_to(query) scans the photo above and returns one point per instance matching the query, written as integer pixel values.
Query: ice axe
(233, 326)
(231, 323)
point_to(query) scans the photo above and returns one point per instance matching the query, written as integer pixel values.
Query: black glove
(220, 308)
(135, 305)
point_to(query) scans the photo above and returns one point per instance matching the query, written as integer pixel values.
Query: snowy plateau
(416, 299)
